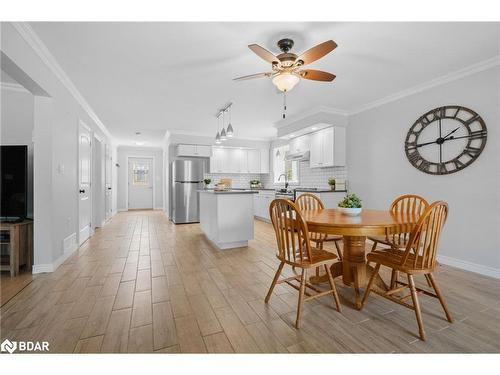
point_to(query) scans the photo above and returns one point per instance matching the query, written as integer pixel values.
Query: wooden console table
(19, 239)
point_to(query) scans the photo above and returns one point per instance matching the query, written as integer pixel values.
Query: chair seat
(319, 257)
(394, 242)
(393, 257)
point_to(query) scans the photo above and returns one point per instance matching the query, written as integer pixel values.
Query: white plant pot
(350, 211)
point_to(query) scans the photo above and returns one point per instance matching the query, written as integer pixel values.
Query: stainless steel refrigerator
(187, 179)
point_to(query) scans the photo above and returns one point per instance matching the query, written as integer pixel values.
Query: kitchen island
(226, 217)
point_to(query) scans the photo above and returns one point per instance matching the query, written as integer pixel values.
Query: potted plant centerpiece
(331, 182)
(207, 182)
(350, 205)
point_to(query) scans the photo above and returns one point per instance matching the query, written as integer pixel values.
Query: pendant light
(223, 137)
(217, 137)
(230, 131)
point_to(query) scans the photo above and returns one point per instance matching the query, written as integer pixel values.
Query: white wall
(55, 147)
(379, 170)
(122, 173)
(16, 117)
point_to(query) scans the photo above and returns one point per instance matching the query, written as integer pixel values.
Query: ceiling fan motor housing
(285, 45)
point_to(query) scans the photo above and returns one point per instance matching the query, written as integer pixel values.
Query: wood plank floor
(10, 286)
(142, 284)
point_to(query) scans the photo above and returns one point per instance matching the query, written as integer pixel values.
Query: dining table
(354, 230)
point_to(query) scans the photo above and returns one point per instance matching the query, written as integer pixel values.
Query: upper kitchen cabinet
(264, 160)
(253, 161)
(299, 145)
(327, 148)
(194, 150)
(236, 160)
(218, 160)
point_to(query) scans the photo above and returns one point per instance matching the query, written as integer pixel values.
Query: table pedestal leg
(354, 264)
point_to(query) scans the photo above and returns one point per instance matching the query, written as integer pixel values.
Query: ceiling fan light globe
(286, 81)
(230, 131)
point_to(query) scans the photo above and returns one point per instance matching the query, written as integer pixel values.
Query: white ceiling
(151, 77)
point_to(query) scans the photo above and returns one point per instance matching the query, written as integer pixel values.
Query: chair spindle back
(291, 231)
(408, 207)
(422, 246)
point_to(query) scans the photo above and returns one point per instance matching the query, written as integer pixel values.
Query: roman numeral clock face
(445, 140)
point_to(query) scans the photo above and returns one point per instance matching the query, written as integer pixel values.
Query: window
(141, 174)
(280, 166)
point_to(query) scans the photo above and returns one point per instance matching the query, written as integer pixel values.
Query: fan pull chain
(284, 103)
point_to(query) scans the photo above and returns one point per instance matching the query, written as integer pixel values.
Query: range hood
(298, 156)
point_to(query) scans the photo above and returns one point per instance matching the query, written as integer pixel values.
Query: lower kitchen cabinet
(261, 203)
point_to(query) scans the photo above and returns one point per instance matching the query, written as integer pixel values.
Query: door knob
(82, 191)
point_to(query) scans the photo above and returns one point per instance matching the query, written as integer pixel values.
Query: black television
(14, 183)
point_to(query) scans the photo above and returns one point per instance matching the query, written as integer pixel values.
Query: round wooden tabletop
(368, 223)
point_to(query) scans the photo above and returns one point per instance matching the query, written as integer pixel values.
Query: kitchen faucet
(286, 182)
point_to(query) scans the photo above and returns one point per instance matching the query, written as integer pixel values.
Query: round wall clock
(445, 140)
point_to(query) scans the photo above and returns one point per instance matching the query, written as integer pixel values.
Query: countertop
(320, 190)
(231, 191)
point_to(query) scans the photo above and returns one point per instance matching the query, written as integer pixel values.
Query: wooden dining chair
(308, 201)
(294, 249)
(419, 258)
(408, 204)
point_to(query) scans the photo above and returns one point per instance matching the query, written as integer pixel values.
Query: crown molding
(472, 69)
(313, 111)
(30, 36)
(13, 87)
(210, 135)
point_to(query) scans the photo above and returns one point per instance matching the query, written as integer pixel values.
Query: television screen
(13, 184)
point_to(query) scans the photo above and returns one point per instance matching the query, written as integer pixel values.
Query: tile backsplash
(239, 180)
(309, 177)
(318, 177)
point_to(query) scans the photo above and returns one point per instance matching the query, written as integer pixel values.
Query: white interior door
(84, 182)
(140, 183)
(108, 178)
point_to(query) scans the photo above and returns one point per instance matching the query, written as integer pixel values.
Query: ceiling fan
(286, 68)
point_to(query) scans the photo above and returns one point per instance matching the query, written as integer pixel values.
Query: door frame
(153, 176)
(81, 123)
(98, 182)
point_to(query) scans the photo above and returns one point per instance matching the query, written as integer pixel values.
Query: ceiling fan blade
(316, 75)
(317, 52)
(264, 53)
(251, 76)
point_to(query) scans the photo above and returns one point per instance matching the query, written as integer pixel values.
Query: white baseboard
(469, 266)
(69, 247)
(122, 210)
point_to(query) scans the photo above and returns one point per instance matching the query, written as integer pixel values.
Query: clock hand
(450, 133)
(440, 144)
(424, 144)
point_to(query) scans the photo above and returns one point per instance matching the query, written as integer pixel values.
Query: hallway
(142, 284)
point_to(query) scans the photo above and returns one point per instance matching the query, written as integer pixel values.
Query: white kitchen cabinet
(264, 160)
(262, 201)
(218, 160)
(316, 155)
(236, 160)
(194, 150)
(253, 161)
(328, 148)
(299, 145)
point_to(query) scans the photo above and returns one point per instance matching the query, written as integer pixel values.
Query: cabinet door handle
(82, 191)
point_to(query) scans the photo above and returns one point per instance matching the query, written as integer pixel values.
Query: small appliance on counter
(255, 184)
(340, 184)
